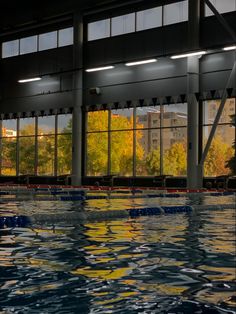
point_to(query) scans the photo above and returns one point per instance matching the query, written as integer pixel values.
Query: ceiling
(18, 13)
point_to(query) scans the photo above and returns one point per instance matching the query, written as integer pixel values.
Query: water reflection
(166, 264)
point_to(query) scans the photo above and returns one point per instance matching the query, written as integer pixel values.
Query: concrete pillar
(77, 100)
(194, 170)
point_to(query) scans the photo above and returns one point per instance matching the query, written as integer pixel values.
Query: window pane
(10, 48)
(9, 128)
(175, 153)
(46, 125)
(28, 44)
(48, 41)
(8, 157)
(211, 108)
(65, 37)
(148, 117)
(26, 155)
(27, 126)
(97, 154)
(122, 119)
(64, 154)
(65, 123)
(99, 29)
(122, 153)
(149, 18)
(222, 6)
(46, 145)
(175, 115)
(97, 121)
(148, 152)
(220, 151)
(175, 12)
(123, 24)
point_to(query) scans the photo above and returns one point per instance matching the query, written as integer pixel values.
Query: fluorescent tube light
(190, 54)
(140, 62)
(229, 48)
(100, 69)
(30, 80)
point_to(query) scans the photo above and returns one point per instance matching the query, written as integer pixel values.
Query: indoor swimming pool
(56, 257)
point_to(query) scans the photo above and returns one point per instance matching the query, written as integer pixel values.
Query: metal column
(78, 101)
(194, 171)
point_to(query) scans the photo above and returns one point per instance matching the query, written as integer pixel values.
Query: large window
(140, 141)
(58, 38)
(222, 6)
(222, 147)
(138, 21)
(36, 146)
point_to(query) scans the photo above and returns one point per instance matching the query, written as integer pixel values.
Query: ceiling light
(100, 69)
(140, 62)
(229, 48)
(190, 54)
(30, 80)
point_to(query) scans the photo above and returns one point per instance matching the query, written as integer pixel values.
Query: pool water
(181, 263)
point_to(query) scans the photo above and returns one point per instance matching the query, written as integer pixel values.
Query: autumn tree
(121, 144)
(218, 153)
(153, 161)
(174, 160)
(231, 163)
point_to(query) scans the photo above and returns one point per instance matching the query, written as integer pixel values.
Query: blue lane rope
(81, 216)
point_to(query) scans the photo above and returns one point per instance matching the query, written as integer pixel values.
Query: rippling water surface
(182, 263)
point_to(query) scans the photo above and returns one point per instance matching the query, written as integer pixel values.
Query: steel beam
(221, 19)
(78, 101)
(218, 115)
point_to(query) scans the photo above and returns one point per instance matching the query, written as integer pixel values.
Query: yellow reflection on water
(103, 274)
(222, 273)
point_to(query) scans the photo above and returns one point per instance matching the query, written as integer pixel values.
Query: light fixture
(140, 62)
(30, 80)
(100, 68)
(189, 54)
(229, 48)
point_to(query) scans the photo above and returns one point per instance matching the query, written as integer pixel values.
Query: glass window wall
(154, 144)
(222, 148)
(42, 146)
